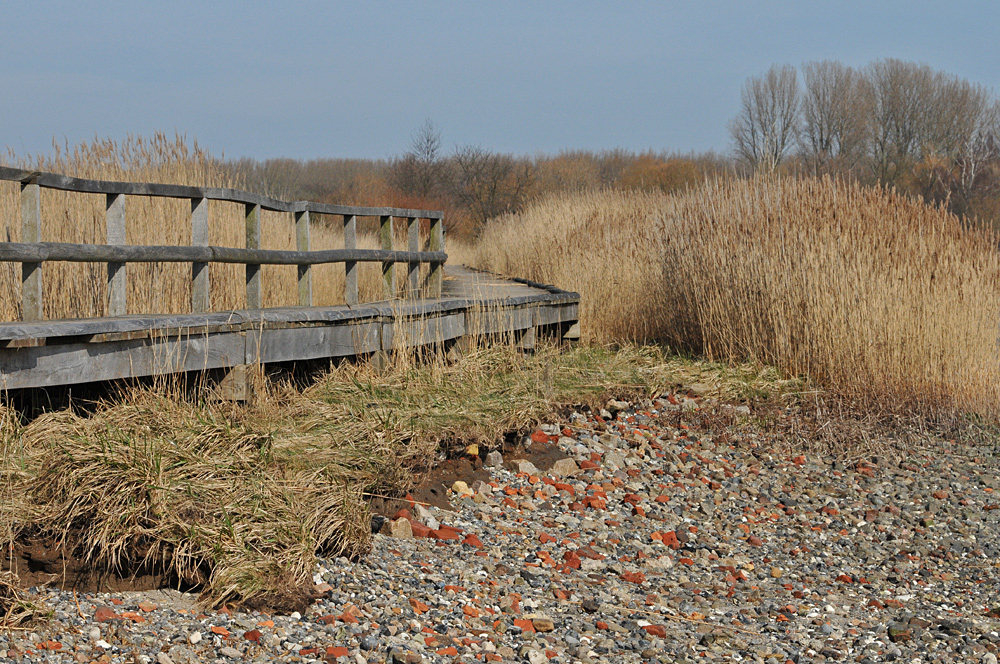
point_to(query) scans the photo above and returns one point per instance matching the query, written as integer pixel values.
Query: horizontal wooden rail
(40, 252)
(66, 183)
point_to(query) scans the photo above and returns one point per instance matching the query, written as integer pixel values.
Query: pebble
(673, 531)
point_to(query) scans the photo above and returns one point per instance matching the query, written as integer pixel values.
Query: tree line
(899, 123)
(902, 124)
(470, 183)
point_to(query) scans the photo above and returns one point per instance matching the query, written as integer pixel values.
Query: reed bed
(79, 290)
(884, 300)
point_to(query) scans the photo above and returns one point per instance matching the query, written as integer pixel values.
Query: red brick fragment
(634, 577)
(525, 625)
(419, 529)
(104, 614)
(656, 630)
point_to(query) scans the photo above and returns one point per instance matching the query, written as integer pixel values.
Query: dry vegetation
(239, 498)
(879, 298)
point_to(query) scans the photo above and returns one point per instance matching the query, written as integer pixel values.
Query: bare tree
(835, 116)
(767, 122)
(489, 184)
(902, 100)
(420, 171)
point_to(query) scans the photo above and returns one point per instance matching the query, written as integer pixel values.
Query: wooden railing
(32, 252)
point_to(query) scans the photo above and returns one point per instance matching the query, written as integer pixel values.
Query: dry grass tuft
(15, 606)
(882, 300)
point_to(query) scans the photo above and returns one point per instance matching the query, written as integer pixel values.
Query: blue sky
(356, 79)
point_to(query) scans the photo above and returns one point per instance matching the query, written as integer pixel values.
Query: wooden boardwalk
(65, 352)
(453, 304)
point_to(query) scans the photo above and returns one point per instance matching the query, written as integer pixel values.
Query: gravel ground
(648, 543)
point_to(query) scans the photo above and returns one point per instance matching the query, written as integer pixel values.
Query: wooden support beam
(435, 277)
(117, 279)
(254, 292)
(388, 267)
(413, 269)
(31, 231)
(350, 267)
(305, 271)
(200, 289)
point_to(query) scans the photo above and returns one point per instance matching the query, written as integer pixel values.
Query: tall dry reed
(77, 290)
(880, 298)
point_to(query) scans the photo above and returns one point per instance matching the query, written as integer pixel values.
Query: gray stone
(229, 651)
(525, 466)
(535, 657)
(494, 459)
(564, 468)
(400, 529)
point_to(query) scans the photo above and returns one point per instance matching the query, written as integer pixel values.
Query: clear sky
(357, 79)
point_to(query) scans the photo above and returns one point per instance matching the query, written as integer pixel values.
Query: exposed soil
(41, 561)
(432, 486)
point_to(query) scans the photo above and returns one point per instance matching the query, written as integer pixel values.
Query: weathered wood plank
(66, 183)
(54, 181)
(313, 343)
(413, 268)
(102, 253)
(80, 327)
(305, 272)
(350, 267)
(254, 290)
(435, 277)
(31, 231)
(200, 288)
(388, 266)
(410, 333)
(490, 320)
(117, 275)
(68, 364)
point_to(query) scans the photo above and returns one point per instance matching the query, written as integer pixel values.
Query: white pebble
(103, 644)
(194, 637)
(94, 633)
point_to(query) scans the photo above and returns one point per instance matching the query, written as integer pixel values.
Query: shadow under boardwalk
(74, 351)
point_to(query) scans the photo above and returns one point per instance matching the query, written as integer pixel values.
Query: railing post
(117, 279)
(200, 294)
(413, 268)
(31, 231)
(305, 271)
(435, 277)
(350, 267)
(254, 295)
(388, 267)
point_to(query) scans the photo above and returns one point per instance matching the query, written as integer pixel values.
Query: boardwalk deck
(64, 352)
